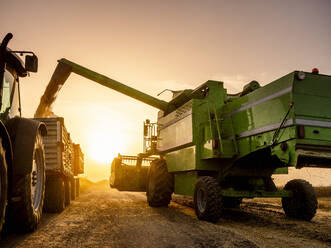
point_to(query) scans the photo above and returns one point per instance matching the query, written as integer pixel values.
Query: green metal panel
(261, 115)
(265, 138)
(322, 143)
(260, 112)
(175, 129)
(317, 133)
(312, 106)
(181, 160)
(288, 156)
(312, 96)
(185, 183)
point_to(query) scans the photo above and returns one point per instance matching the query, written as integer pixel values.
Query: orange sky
(153, 45)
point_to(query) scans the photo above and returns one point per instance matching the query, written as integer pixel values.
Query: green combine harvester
(221, 148)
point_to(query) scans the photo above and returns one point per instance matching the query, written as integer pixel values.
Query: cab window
(8, 85)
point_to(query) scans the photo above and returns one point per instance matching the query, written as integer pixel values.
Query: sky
(154, 45)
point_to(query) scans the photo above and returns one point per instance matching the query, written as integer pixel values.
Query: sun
(104, 143)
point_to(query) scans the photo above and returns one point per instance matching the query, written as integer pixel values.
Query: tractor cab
(13, 68)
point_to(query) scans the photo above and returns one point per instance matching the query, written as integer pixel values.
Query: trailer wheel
(207, 199)
(67, 188)
(55, 195)
(3, 186)
(160, 184)
(231, 202)
(77, 187)
(25, 208)
(73, 189)
(303, 203)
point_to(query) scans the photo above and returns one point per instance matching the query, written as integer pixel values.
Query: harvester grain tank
(22, 160)
(221, 148)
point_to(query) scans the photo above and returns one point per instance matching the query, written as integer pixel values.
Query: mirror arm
(23, 52)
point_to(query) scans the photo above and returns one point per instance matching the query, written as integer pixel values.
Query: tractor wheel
(28, 192)
(67, 188)
(55, 195)
(73, 188)
(207, 199)
(3, 186)
(160, 184)
(231, 202)
(77, 186)
(303, 203)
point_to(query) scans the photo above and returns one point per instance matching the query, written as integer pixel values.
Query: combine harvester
(221, 148)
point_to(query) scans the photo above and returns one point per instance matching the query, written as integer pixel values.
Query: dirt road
(102, 217)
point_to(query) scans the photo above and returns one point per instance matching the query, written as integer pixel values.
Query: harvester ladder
(218, 128)
(234, 140)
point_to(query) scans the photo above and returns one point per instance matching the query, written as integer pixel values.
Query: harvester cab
(150, 136)
(221, 148)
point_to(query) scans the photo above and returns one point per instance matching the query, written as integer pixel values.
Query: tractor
(22, 157)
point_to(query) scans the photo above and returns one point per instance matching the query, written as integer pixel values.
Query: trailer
(64, 162)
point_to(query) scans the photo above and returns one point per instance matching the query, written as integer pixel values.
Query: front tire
(208, 199)
(3, 186)
(160, 184)
(28, 193)
(303, 203)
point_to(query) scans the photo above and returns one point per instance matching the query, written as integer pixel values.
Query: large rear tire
(3, 186)
(28, 192)
(303, 203)
(160, 184)
(208, 199)
(55, 195)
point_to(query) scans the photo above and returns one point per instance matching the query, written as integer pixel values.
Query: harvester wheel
(55, 195)
(67, 188)
(160, 184)
(208, 199)
(73, 189)
(231, 202)
(303, 203)
(28, 193)
(3, 186)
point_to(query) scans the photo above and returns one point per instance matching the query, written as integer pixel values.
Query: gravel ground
(104, 217)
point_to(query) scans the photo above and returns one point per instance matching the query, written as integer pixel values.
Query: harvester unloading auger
(221, 148)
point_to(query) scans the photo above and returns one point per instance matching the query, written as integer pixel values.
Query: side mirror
(31, 63)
